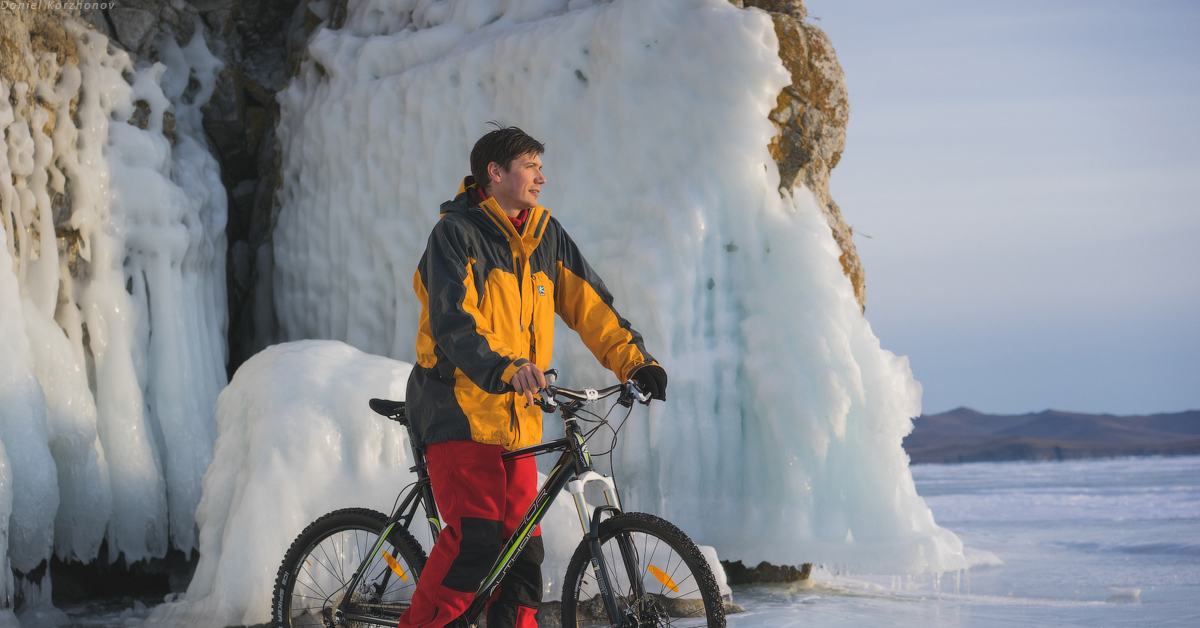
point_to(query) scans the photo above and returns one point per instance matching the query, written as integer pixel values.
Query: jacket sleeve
(458, 328)
(585, 305)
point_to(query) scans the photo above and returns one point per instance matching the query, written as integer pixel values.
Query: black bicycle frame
(575, 461)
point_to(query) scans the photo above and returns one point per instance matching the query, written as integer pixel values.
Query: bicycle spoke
(326, 567)
(644, 553)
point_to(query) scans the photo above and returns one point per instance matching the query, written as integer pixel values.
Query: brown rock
(737, 573)
(811, 115)
(25, 35)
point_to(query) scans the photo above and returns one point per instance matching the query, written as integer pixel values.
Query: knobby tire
(321, 561)
(680, 589)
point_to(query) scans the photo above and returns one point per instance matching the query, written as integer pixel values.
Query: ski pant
(481, 499)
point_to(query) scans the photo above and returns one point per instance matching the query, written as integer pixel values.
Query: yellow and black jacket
(488, 298)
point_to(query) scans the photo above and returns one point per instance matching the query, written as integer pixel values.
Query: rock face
(811, 115)
(114, 215)
(260, 43)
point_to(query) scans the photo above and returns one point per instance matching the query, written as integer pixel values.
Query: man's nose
(541, 179)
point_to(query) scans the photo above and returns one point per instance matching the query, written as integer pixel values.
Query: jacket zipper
(514, 427)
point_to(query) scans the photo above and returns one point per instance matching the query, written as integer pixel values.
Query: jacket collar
(490, 216)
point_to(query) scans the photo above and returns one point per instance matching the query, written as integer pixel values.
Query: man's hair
(503, 146)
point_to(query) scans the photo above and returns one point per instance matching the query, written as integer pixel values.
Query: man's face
(518, 187)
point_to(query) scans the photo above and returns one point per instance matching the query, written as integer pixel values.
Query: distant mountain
(965, 435)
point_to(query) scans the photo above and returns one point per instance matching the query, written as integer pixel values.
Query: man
(496, 270)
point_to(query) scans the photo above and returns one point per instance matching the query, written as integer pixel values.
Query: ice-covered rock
(34, 478)
(112, 293)
(780, 439)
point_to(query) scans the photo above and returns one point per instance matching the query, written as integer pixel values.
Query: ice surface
(114, 347)
(780, 440)
(1060, 566)
(1055, 571)
(296, 440)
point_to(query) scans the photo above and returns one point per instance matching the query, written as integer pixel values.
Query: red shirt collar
(517, 222)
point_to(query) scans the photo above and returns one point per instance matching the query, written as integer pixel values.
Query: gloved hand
(651, 378)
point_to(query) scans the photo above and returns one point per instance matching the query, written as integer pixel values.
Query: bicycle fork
(591, 529)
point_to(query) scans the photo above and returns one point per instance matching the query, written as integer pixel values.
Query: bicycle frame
(573, 471)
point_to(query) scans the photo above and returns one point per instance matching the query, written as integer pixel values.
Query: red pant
(481, 499)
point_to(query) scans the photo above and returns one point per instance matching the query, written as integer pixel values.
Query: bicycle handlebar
(630, 391)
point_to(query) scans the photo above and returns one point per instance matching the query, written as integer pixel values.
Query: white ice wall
(781, 437)
(113, 341)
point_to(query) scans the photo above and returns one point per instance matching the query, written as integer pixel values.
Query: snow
(780, 439)
(114, 344)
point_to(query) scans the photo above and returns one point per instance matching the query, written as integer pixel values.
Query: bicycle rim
(321, 573)
(676, 587)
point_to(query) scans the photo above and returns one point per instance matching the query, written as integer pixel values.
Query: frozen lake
(1083, 543)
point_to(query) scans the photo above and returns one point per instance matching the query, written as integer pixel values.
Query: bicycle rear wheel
(317, 569)
(659, 578)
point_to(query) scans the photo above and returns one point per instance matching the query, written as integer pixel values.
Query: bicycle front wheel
(658, 577)
(316, 572)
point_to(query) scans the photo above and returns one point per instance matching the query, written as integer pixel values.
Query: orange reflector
(664, 578)
(394, 565)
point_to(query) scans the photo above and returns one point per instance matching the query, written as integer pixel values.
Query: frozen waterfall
(112, 304)
(781, 436)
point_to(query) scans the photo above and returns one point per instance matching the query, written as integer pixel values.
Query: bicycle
(358, 567)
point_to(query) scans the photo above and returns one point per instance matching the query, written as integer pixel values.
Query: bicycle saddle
(393, 410)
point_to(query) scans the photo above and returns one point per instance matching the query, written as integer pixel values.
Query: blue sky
(1029, 177)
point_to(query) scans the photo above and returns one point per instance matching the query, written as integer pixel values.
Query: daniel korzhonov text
(49, 5)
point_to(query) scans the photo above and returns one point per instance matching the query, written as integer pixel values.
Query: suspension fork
(591, 524)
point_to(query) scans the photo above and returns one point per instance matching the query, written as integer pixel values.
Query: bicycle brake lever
(547, 403)
(636, 391)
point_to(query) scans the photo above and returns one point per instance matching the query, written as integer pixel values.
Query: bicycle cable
(402, 492)
(603, 421)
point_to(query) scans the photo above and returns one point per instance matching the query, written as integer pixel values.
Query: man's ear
(493, 169)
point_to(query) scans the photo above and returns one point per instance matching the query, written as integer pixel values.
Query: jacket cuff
(512, 370)
(633, 369)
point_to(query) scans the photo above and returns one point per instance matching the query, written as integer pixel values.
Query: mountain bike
(358, 567)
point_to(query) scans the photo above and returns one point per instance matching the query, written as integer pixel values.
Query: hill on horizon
(967, 435)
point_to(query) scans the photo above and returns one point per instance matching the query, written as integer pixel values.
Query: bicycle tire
(680, 590)
(317, 567)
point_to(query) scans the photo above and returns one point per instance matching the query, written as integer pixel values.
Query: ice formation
(781, 437)
(780, 440)
(112, 335)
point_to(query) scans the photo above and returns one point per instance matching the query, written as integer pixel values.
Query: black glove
(651, 378)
